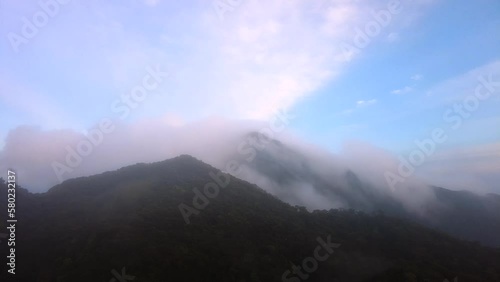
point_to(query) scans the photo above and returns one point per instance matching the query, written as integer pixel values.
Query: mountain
(294, 176)
(184, 220)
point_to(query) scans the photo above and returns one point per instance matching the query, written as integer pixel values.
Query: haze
(350, 84)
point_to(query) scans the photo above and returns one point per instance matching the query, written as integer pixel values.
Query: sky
(387, 73)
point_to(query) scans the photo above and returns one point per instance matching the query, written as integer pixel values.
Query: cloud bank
(32, 152)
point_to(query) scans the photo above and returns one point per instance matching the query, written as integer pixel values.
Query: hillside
(288, 171)
(84, 228)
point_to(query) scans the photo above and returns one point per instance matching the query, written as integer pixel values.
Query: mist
(225, 143)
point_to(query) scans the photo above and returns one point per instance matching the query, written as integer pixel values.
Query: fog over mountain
(223, 143)
(294, 171)
(32, 151)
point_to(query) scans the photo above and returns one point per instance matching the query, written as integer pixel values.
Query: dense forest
(127, 225)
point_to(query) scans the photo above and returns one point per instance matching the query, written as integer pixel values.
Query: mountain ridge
(344, 187)
(243, 234)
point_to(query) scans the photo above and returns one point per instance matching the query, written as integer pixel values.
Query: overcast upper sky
(383, 72)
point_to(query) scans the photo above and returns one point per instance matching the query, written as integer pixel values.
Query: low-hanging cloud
(31, 152)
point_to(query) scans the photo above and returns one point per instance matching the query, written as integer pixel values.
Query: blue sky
(450, 39)
(252, 59)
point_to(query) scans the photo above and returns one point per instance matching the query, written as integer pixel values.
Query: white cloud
(261, 57)
(359, 104)
(408, 89)
(273, 56)
(417, 77)
(364, 103)
(403, 90)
